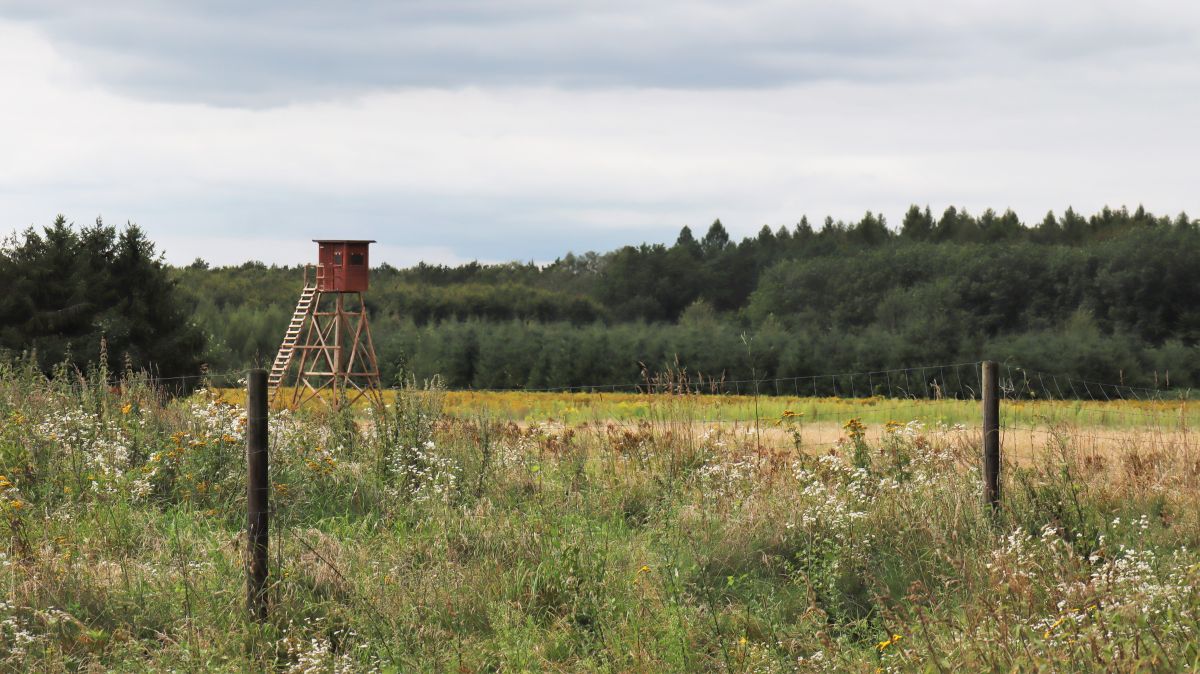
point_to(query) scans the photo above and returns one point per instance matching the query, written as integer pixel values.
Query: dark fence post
(991, 434)
(257, 494)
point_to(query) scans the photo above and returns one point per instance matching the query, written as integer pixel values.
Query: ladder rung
(283, 358)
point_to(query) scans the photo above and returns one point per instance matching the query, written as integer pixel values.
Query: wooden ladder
(284, 358)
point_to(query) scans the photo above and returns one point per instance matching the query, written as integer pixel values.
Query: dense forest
(94, 296)
(1109, 297)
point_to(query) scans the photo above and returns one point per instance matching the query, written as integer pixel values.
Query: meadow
(510, 532)
(574, 408)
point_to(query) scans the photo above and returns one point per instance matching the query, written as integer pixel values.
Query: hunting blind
(329, 336)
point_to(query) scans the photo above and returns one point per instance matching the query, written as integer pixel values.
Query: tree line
(78, 296)
(1109, 297)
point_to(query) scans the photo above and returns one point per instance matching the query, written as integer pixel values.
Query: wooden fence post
(991, 434)
(257, 494)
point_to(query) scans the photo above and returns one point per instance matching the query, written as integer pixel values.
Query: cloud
(276, 53)
(517, 165)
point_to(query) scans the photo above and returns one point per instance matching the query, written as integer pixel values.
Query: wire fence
(959, 381)
(1035, 410)
(1036, 406)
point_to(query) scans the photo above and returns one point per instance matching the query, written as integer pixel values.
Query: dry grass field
(473, 532)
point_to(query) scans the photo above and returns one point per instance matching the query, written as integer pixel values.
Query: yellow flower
(645, 569)
(17, 504)
(856, 429)
(788, 415)
(126, 408)
(1050, 630)
(883, 645)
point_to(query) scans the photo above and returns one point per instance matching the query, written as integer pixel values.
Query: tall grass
(415, 540)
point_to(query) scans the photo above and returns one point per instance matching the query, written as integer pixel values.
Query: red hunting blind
(345, 265)
(329, 336)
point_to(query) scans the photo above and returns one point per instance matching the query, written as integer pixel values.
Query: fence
(1006, 401)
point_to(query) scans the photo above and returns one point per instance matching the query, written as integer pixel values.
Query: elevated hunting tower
(330, 333)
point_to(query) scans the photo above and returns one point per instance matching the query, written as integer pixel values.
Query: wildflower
(126, 408)
(17, 504)
(788, 415)
(856, 429)
(883, 645)
(1051, 628)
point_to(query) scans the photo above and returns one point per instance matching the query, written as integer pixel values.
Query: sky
(462, 130)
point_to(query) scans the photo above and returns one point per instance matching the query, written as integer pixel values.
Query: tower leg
(337, 363)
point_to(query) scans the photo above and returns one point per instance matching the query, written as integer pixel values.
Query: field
(574, 408)
(509, 532)
(814, 424)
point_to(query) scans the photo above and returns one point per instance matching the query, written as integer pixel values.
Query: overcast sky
(460, 130)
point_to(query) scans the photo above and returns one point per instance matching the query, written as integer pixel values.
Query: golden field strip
(817, 424)
(573, 408)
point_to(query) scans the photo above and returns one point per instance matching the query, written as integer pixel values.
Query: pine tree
(69, 288)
